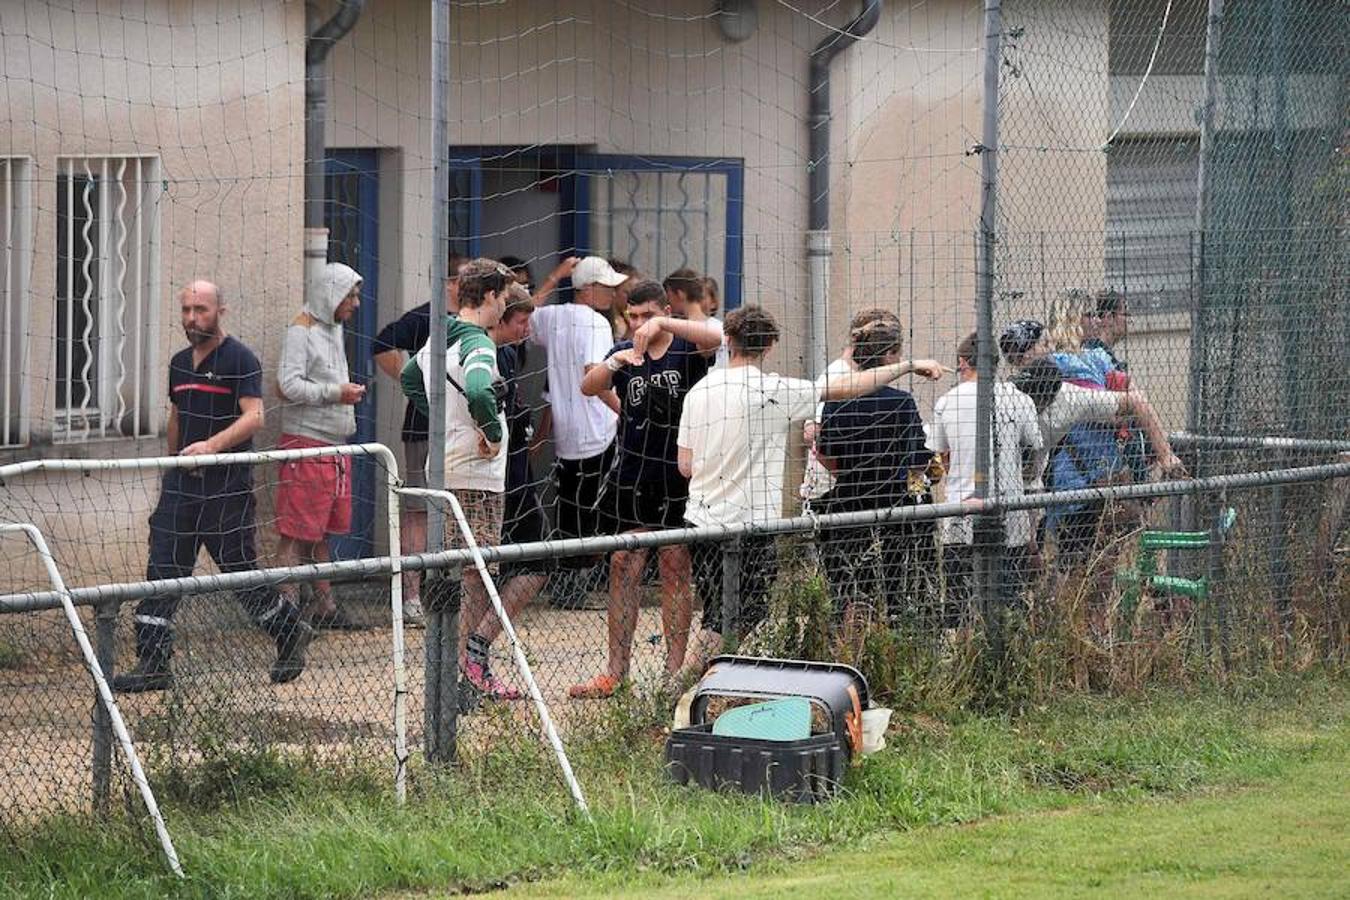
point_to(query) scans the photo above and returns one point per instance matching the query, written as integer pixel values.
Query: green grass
(1286, 838)
(506, 819)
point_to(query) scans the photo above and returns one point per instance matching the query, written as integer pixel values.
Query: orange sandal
(598, 688)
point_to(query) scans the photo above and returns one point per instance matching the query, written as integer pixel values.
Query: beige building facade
(165, 138)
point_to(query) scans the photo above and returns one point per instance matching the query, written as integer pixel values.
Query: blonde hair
(1064, 325)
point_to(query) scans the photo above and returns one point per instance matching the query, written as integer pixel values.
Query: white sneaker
(413, 616)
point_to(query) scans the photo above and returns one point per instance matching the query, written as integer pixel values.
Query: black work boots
(154, 649)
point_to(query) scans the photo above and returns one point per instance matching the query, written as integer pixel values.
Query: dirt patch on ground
(344, 702)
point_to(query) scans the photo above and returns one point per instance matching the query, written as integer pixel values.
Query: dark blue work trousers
(214, 510)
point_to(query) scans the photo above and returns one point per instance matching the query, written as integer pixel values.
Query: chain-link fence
(1168, 253)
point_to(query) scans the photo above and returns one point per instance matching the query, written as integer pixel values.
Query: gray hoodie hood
(335, 282)
(313, 363)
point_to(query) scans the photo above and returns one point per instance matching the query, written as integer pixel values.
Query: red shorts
(314, 496)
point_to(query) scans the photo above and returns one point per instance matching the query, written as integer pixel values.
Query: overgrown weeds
(1080, 630)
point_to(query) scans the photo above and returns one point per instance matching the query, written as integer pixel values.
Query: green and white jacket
(470, 406)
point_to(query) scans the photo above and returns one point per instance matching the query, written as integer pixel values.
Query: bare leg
(677, 604)
(516, 595)
(413, 533)
(324, 604)
(702, 648)
(290, 552)
(625, 591)
(476, 605)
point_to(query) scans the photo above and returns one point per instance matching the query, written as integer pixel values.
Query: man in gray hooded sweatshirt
(314, 495)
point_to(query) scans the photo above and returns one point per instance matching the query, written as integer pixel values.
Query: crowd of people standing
(660, 413)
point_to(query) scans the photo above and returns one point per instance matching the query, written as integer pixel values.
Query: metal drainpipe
(818, 247)
(319, 42)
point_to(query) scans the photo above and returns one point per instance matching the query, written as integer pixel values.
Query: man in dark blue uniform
(215, 388)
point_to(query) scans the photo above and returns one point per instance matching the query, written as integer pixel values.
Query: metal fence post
(986, 551)
(449, 673)
(431, 670)
(105, 647)
(441, 711)
(1216, 577)
(731, 593)
(442, 626)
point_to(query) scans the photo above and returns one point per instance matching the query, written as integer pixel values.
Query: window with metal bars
(107, 236)
(1151, 185)
(15, 256)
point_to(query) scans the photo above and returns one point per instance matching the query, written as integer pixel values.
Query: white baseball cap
(593, 269)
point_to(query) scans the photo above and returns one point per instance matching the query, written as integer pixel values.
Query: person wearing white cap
(577, 336)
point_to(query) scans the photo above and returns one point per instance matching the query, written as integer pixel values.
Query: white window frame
(120, 341)
(16, 257)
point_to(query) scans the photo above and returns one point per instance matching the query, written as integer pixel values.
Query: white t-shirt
(1073, 405)
(819, 480)
(723, 354)
(575, 337)
(736, 422)
(953, 431)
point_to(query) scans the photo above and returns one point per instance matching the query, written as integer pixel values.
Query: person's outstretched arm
(704, 335)
(860, 384)
(550, 284)
(1134, 403)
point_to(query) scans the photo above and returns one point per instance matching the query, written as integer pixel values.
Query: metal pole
(1290, 319)
(987, 538)
(517, 651)
(731, 592)
(1199, 294)
(396, 620)
(442, 627)
(105, 647)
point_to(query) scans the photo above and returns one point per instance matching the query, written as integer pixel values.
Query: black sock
(477, 649)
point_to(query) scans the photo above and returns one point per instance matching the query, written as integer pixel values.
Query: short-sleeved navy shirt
(206, 397)
(408, 333)
(875, 440)
(651, 398)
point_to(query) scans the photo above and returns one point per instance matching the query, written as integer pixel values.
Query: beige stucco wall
(214, 90)
(599, 75)
(907, 195)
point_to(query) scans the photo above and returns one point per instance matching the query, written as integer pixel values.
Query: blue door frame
(577, 168)
(466, 191)
(351, 214)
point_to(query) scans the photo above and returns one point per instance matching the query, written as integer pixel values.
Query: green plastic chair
(1144, 576)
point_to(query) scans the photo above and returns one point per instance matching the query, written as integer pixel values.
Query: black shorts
(579, 483)
(759, 567)
(652, 503)
(414, 474)
(524, 523)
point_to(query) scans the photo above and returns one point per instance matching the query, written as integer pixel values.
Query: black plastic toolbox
(805, 771)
